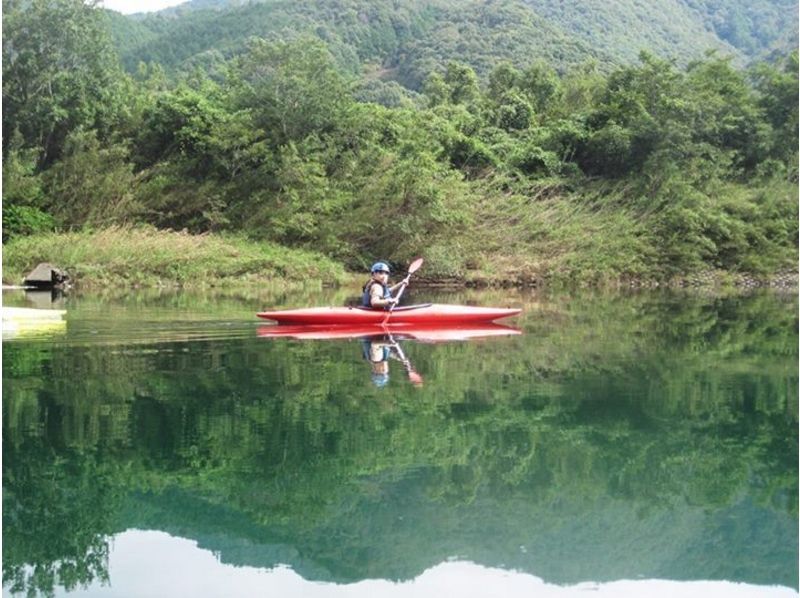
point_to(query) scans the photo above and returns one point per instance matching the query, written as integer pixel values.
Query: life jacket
(366, 346)
(365, 297)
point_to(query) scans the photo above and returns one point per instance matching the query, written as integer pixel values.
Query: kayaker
(377, 353)
(377, 292)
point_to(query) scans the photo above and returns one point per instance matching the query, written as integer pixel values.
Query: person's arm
(376, 297)
(394, 288)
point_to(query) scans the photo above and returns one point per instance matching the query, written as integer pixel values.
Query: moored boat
(427, 313)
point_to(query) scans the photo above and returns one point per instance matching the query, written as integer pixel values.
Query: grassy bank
(551, 243)
(616, 234)
(144, 256)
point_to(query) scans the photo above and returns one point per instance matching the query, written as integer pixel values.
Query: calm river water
(166, 444)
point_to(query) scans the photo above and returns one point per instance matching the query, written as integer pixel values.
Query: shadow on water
(651, 435)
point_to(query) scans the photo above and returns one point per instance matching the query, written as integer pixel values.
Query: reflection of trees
(641, 420)
(56, 511)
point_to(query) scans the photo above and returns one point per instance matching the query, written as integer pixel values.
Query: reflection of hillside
(624, 437)
(229, 533)
(401, 532)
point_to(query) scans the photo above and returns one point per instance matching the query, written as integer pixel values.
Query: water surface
(624, 444)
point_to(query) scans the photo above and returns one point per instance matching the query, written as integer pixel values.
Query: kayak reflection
(381, 343)
(429, 333)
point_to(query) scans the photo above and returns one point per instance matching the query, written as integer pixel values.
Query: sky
(145, 563)
(131, 6)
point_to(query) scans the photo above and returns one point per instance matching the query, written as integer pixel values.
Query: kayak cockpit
(396, 309)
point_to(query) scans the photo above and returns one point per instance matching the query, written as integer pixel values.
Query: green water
(619, 437)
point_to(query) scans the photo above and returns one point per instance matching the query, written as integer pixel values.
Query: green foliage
(731, 118)
(622, 28)
(542, 85)
(482, 35)
(144, 255)
(73, 498)
(678, 407)
(59, 74)
(273, 143)
(21, 184)
(292, 89)
(91, 184)
(411, 39)
(305, 208)
(25, 220)
(386, 93)
(462, 83)
(23, 196)
(777, 86)
(512, 112)
(417, 198)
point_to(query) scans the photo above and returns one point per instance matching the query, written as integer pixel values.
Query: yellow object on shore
(26, 321)
(29, 313)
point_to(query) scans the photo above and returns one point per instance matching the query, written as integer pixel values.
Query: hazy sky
(130, 6)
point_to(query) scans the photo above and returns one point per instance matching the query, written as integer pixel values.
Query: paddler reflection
(378, 351)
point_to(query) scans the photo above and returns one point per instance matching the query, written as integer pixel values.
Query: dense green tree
(91, 184)
(542, 85)
(195, 126)
(512, 111)
(729, 117)
(283, 141)
(436, 89)
(23, 194)
(292, 89)
(462, 83)
(503, 78)
(778, 96)
(60, 73)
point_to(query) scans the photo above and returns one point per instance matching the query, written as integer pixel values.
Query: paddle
(413, 376)
(415, 265)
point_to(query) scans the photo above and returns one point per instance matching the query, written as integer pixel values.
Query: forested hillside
(411, 38)
(520, 167)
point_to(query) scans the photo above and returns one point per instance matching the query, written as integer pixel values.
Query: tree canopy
(677, 167)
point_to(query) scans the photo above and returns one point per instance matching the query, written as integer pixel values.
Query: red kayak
(428, 313)
(430, 334)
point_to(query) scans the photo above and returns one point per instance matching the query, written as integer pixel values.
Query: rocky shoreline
(785, 280)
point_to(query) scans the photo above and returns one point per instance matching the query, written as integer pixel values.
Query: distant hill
(406, 39)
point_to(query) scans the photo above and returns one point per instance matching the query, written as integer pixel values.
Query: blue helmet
(380, 267)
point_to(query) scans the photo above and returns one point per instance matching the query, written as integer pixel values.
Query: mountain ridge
(418, 37)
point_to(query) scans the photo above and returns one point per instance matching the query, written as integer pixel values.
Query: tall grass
(607, 234)
(145, 256)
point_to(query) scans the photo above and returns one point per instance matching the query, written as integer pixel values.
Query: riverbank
(145, 257)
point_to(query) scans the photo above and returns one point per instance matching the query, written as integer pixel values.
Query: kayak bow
(428, 313)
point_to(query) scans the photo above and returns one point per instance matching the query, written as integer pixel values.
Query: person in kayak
(377, 292)
(377, 353)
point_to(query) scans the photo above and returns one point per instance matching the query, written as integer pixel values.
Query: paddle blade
(415, 265)
(415, 378)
